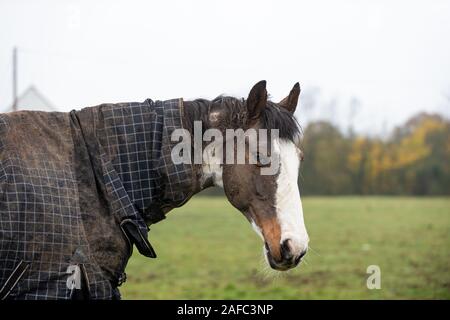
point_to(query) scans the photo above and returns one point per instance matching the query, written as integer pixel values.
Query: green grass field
(207, 250)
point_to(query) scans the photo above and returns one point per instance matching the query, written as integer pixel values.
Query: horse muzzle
(288, 257)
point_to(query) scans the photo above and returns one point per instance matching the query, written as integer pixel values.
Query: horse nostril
(286, 251)
(302, 254)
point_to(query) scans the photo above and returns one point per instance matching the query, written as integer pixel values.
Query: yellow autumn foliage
(375, 157)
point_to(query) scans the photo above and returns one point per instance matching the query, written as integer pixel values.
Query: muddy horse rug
(71, 182)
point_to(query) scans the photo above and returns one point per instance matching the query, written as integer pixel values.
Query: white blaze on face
(287, 199)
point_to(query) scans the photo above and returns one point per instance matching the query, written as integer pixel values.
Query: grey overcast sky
(392, 56)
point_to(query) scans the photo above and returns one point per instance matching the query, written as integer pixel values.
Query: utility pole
(14, 79)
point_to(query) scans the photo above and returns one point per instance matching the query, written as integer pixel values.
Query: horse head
(270, 201)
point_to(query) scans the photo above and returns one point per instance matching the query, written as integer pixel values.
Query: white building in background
(32, 99)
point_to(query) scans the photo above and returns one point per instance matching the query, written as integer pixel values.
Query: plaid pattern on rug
(68, 183)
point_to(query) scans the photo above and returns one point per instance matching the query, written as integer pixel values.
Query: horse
(79, 190)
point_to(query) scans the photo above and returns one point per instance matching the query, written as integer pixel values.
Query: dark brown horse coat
(78, 189)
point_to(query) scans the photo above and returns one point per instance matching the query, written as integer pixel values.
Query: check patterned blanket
(78, 190)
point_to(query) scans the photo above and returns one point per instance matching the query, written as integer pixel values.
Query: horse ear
(290, 102)
(257, 100)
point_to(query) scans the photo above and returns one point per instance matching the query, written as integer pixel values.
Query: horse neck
(198, 110)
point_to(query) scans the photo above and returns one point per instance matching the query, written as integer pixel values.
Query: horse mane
(276, 117)
(273, 116)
